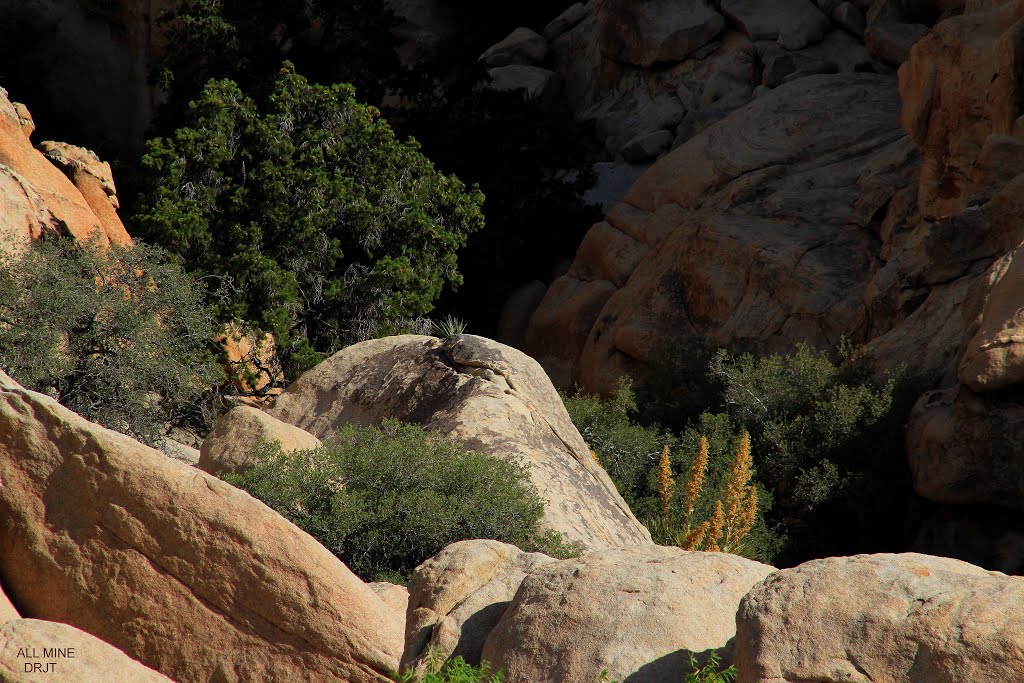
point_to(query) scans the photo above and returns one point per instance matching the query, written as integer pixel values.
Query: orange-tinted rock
(75, 656)
(179, 570)
(35, 197)
(963, 82)
(7, 610)
(252, 360)
(94, 180)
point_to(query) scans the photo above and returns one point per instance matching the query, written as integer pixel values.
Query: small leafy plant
(710, 672)
(455, 670)
(449, 327)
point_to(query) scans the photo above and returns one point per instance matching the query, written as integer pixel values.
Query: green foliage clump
(828, 439)
(455, 670)
(711, 671)
(311, 207)
(384, 499)
(631, 452)
(117, 334)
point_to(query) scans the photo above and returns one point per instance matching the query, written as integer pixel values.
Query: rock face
(763, 230)
(181, 571)
(457, 597)
(88, 659)
(228, 448)
(522, 46)
(902, 618)
(637, 612)
(36, 197)
(494, 398)
(7, 610)
(646, 33)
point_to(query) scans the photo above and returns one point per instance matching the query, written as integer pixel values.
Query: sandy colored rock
(757, 231)
(228, 447)
(637, 612)
(897, 618)
(79, 657)
(394, 596)
(964, 448)
(522, 46)
(994, 357)
(7, 610)
(94, 180)
(252, 360)
(457, 597)
(492, 397)
(181, 571)
(960, 85)
(35, 196)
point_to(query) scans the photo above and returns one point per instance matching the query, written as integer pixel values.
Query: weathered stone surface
(35, 197)
(794, 23)
(756, 231)
(647, 146)
(962, 84)
(181, 571)
(656, 31)
(457, 597)
(994, 357)
(394, 596)
(94, 180)
(534, 82)
(891, 41)
(179, 451)
(964, 448)
(82, 658)
(251, 359)
(637, 612)
(7, 610)
(494, 398)
(901, 618)
(565, 21)
(522, 46)
(228, 447)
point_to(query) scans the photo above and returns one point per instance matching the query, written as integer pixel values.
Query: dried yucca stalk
(666, 484)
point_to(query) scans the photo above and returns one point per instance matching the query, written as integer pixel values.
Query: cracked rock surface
(179, 570)
(492, 397)
(904, 618)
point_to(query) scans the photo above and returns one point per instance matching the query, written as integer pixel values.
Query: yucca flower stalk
(666, 484)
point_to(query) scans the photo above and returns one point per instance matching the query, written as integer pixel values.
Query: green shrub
(710, 672)
(307, 202)
(631, 454)
(117, 334)
(384, 499)
(455, 670)
(827, 438)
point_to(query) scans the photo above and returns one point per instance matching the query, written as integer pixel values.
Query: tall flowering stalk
(666, 484)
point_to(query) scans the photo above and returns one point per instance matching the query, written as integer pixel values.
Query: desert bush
(646, 463)
(304, 198)
(455, 670)
(827, 437)
(384, 499)
(117, 334)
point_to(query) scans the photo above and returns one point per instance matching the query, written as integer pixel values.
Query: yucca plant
(449, 327)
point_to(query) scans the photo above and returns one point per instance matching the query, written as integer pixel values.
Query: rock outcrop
(494, 398)
(902, 618)
(762, 230)
(37, 198)
(179, 570)
(73, 656)
(457, 597)
(636, 612)
(228, 447)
